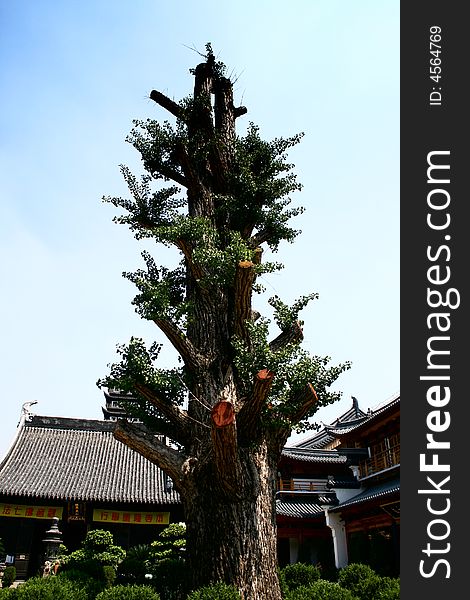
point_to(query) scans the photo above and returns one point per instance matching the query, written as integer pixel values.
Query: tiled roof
(386, 488)
(79, 459)
(349, 421)
(314, 455)
(298, 509)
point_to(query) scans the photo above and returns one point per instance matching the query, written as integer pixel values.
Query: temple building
(337, 499)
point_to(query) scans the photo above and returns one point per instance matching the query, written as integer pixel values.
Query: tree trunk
(233, 538)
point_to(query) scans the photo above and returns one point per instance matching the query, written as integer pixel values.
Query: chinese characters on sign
(131, 517)
(29, 511)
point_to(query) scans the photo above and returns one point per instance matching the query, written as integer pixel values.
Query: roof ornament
(355, 404)
(26, 414)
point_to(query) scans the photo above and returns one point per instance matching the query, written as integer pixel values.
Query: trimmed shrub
(8, 593)
(109, 575)
(49, 588)
(128, 592)
(354, 574)
(170, 578)
(320, 590)
(388, 588)
(9, 576)
(299, 574)
(91, 585)
(365, 584)
(217, 591)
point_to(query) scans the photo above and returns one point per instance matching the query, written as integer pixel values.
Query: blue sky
(73, 75)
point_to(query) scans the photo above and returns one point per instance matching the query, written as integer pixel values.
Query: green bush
(109, 575)
(355, 573)
(9, 576)
(128, 592)
(8, 593)
(320, 590)
(387, 588)
(91, 585)
(299, 574)
(49, 588)
(134, 567)
(365, 584)
(170, 578)
(96, 550)
(217, 591)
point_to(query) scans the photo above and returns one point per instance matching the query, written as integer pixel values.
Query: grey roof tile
(386, 488)
(79, 459)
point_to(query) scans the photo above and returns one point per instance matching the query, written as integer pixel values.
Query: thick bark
(234, 540)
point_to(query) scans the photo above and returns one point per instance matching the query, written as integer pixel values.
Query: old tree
(233, 400)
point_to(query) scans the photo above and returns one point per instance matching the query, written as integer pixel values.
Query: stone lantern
(52, 542)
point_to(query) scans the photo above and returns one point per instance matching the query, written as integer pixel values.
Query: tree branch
(239, 111)
(182, 345)
(260, 237)
(165, 102)
(175, 415)
(305, 400)
(293, 335)
(143, 441)
(244, 278)
(249, 413)
(168, 172)
(225, 445)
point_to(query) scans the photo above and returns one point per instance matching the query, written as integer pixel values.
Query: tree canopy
(219, 199)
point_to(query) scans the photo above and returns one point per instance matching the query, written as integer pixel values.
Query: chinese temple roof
(79, 459)
(384, 489)
(300, 509)
(314, 455)
(351, 420)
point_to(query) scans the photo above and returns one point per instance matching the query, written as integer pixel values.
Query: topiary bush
(128, 592)
(386, 588)
(320, 590)
(353, 574)
(9, 576)
(90, 585)
(49, 588)
(365, 584)
(216, 591)
(300, 574)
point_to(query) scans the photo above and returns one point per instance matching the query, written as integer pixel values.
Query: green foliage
(8, 593)
(109, 575)
(238, 190)
(136, 367)
(300, 574)
(282, 583)
(294, 368)
(366, 584)
(170, 578)
(388, 589)
(134, 567)
(9, 576)
(320, 590)
(50, 588)
(217, 591)
(353, 574)
(128, 592)
(88, 578)
(97, 550)
(171, 543)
